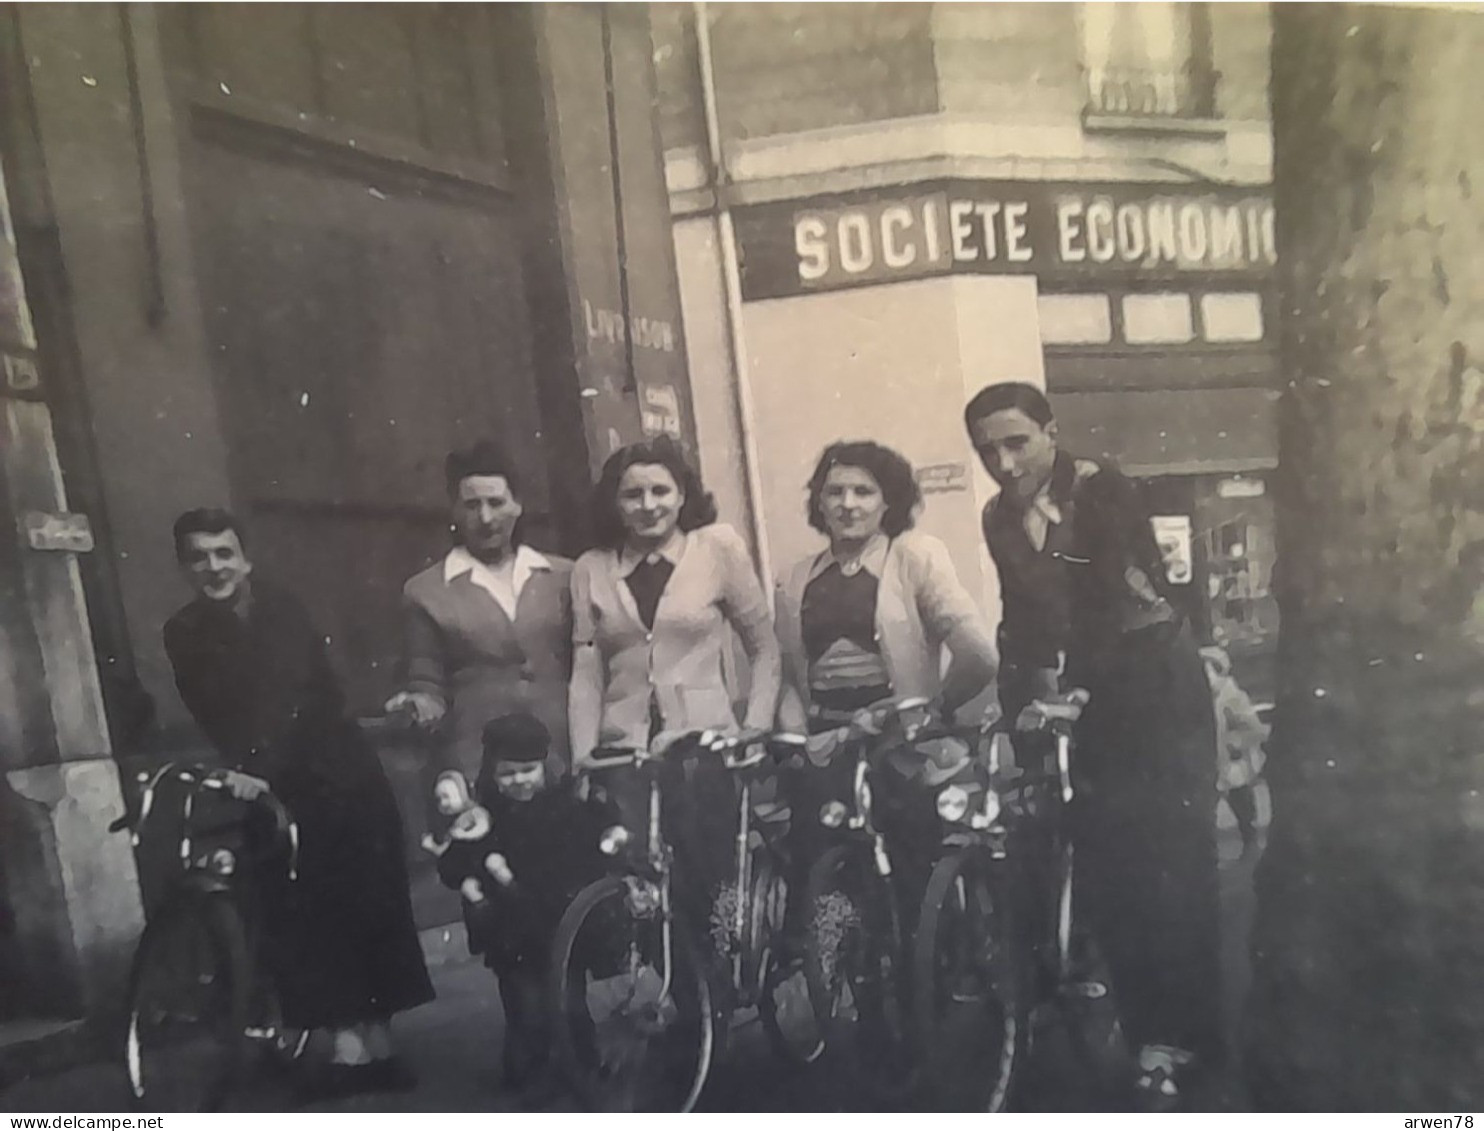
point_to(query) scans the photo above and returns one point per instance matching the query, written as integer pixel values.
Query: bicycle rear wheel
(188, 1007)
(855, 968)
(970, 1002)
(626, 1039)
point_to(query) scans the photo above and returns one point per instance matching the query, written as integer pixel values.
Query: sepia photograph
(742, 557)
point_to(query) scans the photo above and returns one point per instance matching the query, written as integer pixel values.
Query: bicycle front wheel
(188, 1007)
(1088, 1009)
(632, 1007)
(783, 992)
(854, 967)
(969, 999)
(787, 1015)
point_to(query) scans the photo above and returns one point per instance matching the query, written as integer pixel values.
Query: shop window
(1157, 319)
(1068, 320)
(1232, 317)
(1148, 60)
(1236, 534)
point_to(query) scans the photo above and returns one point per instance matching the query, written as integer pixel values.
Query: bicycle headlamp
(613, 840)
(642, 898)
(832, 814)
(222, 862)
(953, 803)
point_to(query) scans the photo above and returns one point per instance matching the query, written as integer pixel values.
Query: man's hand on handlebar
(244, 787)
(1041, 713)
(425, 710)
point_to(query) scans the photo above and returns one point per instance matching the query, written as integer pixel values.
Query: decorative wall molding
(906, 150)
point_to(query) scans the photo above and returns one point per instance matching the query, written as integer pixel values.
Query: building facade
(923, 199)
(281, 258)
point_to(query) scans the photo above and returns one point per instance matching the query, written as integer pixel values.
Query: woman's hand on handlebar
(820, 748)
(425, 710)
(244, 787)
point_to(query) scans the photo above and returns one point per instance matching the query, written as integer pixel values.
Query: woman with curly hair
(869, 616)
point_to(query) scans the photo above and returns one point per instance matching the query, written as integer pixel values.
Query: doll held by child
(468, 857)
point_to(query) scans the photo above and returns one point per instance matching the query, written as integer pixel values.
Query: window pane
(1157, 319)
(1075, 319)
(1147, 58)
(1232, 317)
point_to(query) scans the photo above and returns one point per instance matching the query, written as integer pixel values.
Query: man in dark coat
(1082, 579)
(252, 670)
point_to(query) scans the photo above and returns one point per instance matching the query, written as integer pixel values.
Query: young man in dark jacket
(253, 671)
(1082, 579)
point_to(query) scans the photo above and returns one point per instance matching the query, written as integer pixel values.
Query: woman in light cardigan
(867, 619)
(869, 616)
(650, 609)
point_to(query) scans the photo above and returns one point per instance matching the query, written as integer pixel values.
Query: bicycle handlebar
(1057, 714)
(741, 751)
(391, 722)
(199, 778)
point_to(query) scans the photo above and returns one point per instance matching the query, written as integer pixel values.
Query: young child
(1240, 734)
(541, 849)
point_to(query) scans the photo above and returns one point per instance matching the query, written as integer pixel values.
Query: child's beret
(518, 737)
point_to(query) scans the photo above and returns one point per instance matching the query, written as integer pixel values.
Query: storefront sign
(20, 374)
(610, 326)
(1173, 534)
(660, 411)
(1041, 228)
(67, 533)
(1241, 488)
(943, 478)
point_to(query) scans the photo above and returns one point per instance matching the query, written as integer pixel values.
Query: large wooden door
(357, 244)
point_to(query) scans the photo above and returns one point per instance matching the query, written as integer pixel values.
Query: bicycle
(196, 999)
(856, 957)
(997, 939)
(638, 1016)
(748, 921)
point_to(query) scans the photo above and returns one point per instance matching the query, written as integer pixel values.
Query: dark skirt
(1144, 835)
(342, 943)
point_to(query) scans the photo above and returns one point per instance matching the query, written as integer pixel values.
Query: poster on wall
(1173, 534)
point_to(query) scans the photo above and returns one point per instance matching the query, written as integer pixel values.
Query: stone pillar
(1371, 895)
(579, 95)
(99, 203)
(68, 886)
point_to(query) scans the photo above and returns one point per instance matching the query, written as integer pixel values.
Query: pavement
(454, 1043)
